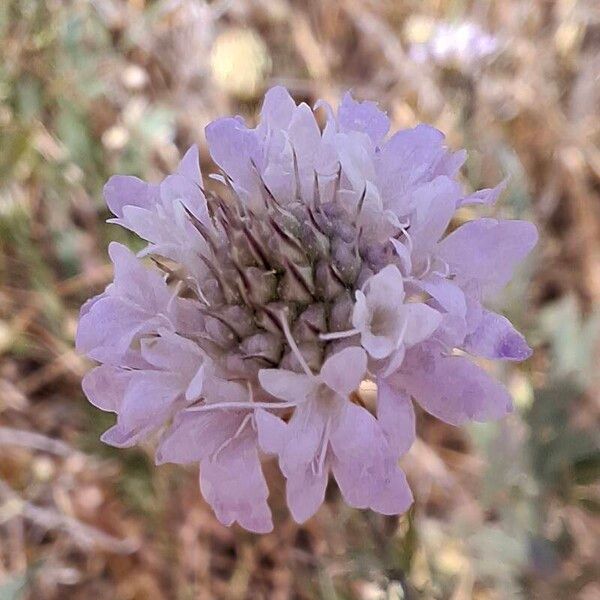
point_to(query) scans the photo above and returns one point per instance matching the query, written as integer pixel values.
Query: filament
(338, 335)
(293, 345)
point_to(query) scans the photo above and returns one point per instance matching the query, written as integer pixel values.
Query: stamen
(338, 335)
(408, 239)
(199, 292)
(426, 270)
(324, 444)
(240, 405)
(293, 345)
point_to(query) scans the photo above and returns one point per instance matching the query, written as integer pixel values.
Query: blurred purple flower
(321, 262)
(462, 45)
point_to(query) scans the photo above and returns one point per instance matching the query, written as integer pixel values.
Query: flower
(320, 260)
(461, 45)
(224, 441)
(385, 321)
(329, 432)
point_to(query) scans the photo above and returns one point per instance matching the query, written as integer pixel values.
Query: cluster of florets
(320, 263)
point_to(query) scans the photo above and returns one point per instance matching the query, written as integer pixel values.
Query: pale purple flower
(147, 390)
(320, 261)
(383, 318)
(329, 432)
(462, 45)
(224, 442)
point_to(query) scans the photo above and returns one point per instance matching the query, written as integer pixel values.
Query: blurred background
(92, 88)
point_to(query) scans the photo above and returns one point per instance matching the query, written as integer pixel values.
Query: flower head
(320, 260)
(461, 45)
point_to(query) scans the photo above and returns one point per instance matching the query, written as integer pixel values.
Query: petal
(186, 184)
(123, 190)
(496, 338)
(364, 464)
(120, 436)
(108, 329)
(277, 109)
(284, 384)
(271, 431)
(487, 251)
(435, 204)
(232, 146)
(144, 222)
(196, 435)
(364, 117)
(380, 346)
(358, 443)
(422, 321)
(171, 352)
(361, 315)
(412, 151)
(355, 157)
(189, 167)
(179, 189)
(278, 172)
(450, 163)
(403, 254)
(407, 160)
(451, 388)
(133, 281)
(487, 196)
(194, 389)
(233, 484)
(188, 318)
(395, 496)
(216, 389)
(394, 362)
(448, 295)
(304, 438)
(105, 386)
(344, 371)
(386, 288)
(305, 492)
(149, 399)
(419, 145)
(396, 415)
(305, 137)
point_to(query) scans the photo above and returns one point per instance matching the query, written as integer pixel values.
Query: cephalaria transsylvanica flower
(321, 261)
